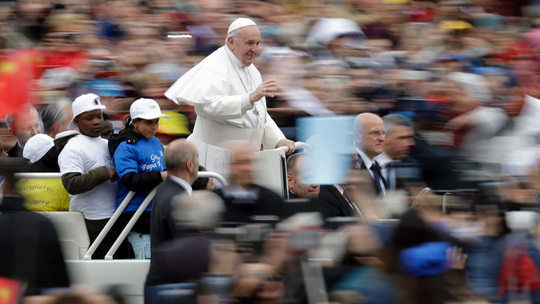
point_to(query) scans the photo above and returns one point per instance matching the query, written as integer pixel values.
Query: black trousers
(94, 228)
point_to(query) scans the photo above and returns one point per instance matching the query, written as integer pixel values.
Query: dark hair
(127, 123)
(201, 182)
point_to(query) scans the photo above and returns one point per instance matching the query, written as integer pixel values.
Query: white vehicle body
(131, 274)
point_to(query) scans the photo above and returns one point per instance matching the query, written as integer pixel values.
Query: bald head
(368, 134)
(241, 166)
(182, 160)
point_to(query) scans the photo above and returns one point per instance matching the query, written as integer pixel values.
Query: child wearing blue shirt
(139, 161)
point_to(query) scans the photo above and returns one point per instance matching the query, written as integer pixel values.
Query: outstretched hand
(265, 89)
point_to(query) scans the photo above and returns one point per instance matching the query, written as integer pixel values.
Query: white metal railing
(297, 145)
(130, 224)
(118, 212)
(27, 175)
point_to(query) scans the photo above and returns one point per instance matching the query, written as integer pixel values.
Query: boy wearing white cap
(229, 98)
(87, 169)
(139, 160)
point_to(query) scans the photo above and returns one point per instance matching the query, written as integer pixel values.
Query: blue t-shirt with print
(144, 156)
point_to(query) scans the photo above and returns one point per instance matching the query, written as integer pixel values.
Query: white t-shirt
(82, 154)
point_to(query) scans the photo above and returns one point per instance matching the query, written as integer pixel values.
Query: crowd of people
(440, 203)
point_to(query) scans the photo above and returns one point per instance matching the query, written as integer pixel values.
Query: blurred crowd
(462, 75)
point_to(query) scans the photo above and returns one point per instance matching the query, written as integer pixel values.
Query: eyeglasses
(36, 127)
(376, 134)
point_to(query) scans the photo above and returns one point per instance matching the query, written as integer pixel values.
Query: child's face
(147, 128)
(90, 123)
(107, 129)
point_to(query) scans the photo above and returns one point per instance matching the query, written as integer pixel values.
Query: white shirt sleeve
(225, 107)
(272, 133)
(70, 161)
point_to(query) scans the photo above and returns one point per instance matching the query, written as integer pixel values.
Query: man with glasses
(368, 137)
(23, 125)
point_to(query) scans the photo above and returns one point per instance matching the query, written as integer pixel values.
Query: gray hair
(54, 112)
(233, 34)
(393, 120)
(292, 170)
(177, 155)
(11, 118)
(201, 210)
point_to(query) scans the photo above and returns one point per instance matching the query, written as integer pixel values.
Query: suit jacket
(181, 260)
(30, 251)
(292, 195)
(162, 225)
(16, 151)
(333, 203)
(267, 203)
(358, 164)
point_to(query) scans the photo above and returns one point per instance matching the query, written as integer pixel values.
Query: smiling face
(90, 123)
(246, 46)
(147, 128)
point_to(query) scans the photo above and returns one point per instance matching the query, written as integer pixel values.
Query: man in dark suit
(369, 137)
(297, 170)
(182, 163)
(245, 201)
(187, 257)
(334, 203)
(397, 147)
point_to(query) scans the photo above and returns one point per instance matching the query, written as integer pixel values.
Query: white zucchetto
(240, 23)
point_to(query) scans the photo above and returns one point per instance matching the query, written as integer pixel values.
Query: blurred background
(465, 72)
(436, 62)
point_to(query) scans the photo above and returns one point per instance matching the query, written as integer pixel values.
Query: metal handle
(27, 175)
(297, 145)
(219, 177)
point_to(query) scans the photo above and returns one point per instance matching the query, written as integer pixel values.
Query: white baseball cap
(240, 23)
(145, 108)
(85, 103)
(37, 146)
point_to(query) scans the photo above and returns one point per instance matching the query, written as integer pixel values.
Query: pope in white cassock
(229, 98)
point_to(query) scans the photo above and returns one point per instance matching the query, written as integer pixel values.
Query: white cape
(219, 88)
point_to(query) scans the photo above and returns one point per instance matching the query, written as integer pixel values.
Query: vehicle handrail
(40, 175)
(117, 212)
(130, 224)
(108, 226)
(49, 175)
(219, 177)
(297, 145)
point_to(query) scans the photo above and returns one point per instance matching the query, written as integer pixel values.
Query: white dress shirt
(368, 162)
(182, 183)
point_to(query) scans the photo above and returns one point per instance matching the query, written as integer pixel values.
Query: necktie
(377, 176)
